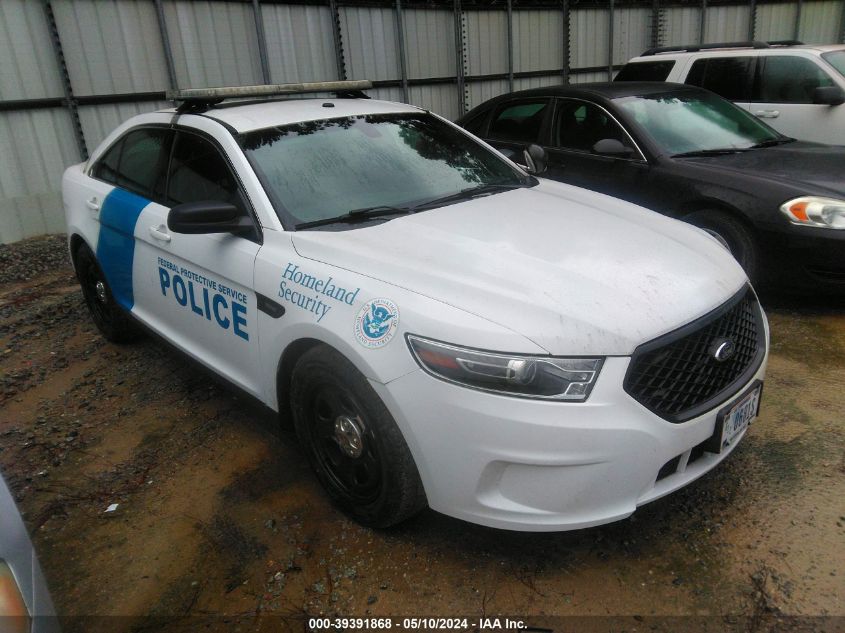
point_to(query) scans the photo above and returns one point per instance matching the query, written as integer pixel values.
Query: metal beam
(610, 20)
(796, 33)
(69, 102)
(752, 21)
(565, 73)
(655, 24)
(165, 43)
(403, 64)
(459, 56)
(702, 26)
(262, 41)
(510, 45)
(842, 27)
(338, 42)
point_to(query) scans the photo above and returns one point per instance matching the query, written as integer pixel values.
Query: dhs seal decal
(376, 323)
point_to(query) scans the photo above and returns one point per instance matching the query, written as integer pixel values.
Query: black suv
(778, 203)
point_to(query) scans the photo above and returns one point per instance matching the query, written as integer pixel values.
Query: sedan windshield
(837, 60)
(375, 166)
(696, 122)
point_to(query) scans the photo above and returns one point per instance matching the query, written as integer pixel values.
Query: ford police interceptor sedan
(443, 328)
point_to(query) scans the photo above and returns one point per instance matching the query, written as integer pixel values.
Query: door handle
(93, 204)
(158, 234)
(768, 114)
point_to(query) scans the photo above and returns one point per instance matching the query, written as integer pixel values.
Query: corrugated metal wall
(121, 55)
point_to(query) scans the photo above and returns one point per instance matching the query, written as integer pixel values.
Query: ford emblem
(723, 349)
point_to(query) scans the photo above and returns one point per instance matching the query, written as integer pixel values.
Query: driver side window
(580, 125)
(199, 172)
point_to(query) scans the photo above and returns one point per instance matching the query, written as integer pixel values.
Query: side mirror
(207, 216)
(612, 147)
(535, 159)
(829, 95)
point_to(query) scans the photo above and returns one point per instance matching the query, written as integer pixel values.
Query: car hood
(798, 164)
(576, 272)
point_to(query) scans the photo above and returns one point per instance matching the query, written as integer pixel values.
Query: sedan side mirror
(829, 95)
(535, 159)
(612, 147)
(207, 216)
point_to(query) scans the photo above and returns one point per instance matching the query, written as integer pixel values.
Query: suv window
(580, 125)
(646, 71)
(729, 77)
(136, 162)
(788, 79)
(520, 122)
(198, 171)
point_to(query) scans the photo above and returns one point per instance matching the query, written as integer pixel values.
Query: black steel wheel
(352, 441)
(112, 320)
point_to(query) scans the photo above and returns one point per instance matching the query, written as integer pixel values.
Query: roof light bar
(230, 92)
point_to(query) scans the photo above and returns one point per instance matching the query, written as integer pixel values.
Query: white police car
(444, 328)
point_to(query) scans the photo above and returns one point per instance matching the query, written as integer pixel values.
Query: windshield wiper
(356, 215)
(467, 194)
(772, 142)
(711, 152)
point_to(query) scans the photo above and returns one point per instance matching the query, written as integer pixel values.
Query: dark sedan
(778, 203)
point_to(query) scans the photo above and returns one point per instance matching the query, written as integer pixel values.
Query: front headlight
(544, 377)
(827, 213)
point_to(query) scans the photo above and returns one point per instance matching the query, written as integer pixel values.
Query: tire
(111, 319)
(735, 234)
(352, 441)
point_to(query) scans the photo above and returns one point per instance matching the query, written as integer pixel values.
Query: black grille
(677, 376)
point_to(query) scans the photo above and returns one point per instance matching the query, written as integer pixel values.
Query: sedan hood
(576, 272)
(798, 164)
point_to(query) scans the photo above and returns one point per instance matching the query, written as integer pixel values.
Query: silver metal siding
(370, 43)
(28, 69)
(776, 21)
(589, 43)
(486, 47)
(726, 24)
(820, 21)
(681, 26)
(537, 40)
(299, 43)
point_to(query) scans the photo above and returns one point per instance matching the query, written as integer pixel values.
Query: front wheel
(732, 232)
(112, 320)
(352, 441)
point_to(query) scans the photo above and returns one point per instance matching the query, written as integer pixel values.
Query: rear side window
(729, 77)
(137, 162)
(520, 122)
(788, 79)
(199, 172)
(646, 71)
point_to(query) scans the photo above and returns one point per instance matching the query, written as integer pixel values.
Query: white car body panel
(805, 121)
(548, 270)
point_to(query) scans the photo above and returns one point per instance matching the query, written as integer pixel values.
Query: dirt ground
(221, 526)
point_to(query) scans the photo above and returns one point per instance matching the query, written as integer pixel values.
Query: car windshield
(684, 122)
(837, 60)
(318, 170)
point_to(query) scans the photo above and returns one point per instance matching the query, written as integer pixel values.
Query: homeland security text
(321, 290)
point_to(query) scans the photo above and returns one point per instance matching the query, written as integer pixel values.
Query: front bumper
(806, 259)
(544, 466)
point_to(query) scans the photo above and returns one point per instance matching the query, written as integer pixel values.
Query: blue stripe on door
(116, 245)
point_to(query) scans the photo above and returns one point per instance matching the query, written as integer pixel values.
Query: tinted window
(729, 77)
(581, 125)
(693, 121)
(788, 79)
(645, 71)
(106, 168)
(198, 171)
(320, 169)
(837, 60)
(476, 124)
(142, 161)
(519, 122)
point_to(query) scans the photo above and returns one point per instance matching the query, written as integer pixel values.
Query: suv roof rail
(201, 99)
(693, 48)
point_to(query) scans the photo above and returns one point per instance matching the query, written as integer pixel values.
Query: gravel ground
(221, 526)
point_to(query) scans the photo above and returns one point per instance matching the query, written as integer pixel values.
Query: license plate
(737, 418)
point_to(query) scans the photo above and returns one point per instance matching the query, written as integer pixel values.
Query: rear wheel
(732, 232)
(352, 441)
(112, 320)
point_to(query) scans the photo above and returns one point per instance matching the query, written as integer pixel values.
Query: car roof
(743, 50)
(605, 89)
(257, 115)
